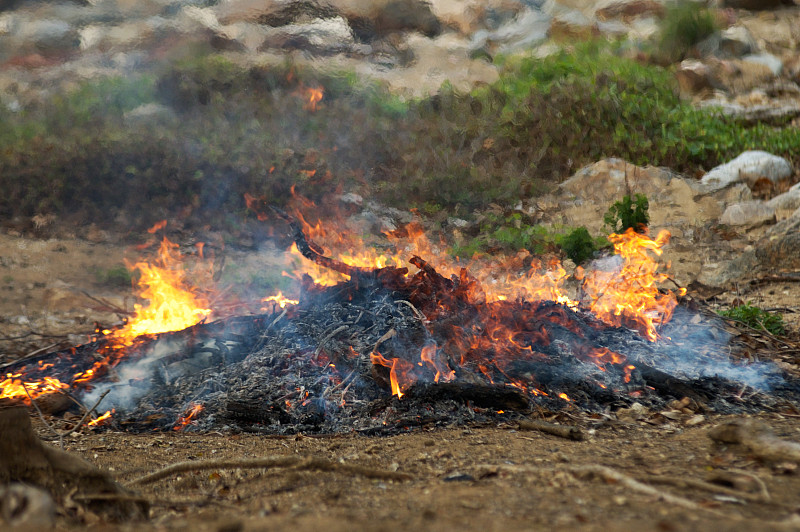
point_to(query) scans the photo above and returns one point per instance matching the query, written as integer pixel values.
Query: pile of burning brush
(376, 341)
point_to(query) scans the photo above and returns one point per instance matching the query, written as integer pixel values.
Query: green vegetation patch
(188, 139)
(757, 318)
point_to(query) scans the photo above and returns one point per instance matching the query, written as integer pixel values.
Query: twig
(609, 475)
(569, 432)
(325, 340)
(418, 313)
(706, 486)
(313, 463)
(110, 306)
(88, 411)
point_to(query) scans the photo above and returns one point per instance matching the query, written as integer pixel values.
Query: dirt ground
(468, 478)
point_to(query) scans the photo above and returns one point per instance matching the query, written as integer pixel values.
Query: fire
(173, 306)
(188, 416)
(14, 387)
(313, 96)
(630, 295)
(278, 300)
(102, 420)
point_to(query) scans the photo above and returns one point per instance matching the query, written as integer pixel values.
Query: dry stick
(88, 411)
(569, 432)
(706, 486)
(325, 340)
(758, 438)
(119, 311)
(419, 314)
(62, 435)
(319, 464)
(609, 475)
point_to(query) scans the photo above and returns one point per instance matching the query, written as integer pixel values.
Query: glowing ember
(188, 416)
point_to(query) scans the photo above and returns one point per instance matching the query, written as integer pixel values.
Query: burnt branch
(313, 252)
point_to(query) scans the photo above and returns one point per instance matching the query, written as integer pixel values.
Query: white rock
(788, 200)
(748, 167)
(768, 60)
(525, 31)
(750, 213)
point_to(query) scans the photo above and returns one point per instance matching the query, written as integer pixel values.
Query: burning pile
(369, 345)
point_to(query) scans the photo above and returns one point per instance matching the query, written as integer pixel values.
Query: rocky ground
(734, 237)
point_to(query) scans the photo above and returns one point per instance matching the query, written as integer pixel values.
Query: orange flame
(188, 416)
(102, 420)
(313, 97)
(631, 296)
(278, 300)
(12, 387)
(172, 307)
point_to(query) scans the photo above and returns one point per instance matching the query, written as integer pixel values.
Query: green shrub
(685, 24)
(118, 276)
(628, 213)
(757, 318)
(579, 245)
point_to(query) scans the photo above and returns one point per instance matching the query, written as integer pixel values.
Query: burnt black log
(482, 396)
(666, 384)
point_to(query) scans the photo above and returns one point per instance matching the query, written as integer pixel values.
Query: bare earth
(467, 478)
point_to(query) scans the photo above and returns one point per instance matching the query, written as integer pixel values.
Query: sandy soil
(478, 478)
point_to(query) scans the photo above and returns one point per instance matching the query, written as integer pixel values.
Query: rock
(49, 36)
(694, 77)
(571, 25)
(774, 64)
(723, 275)
(525, 31)
(371, 19)
(674, 200)
(781, 247)
(748, 167)
(730, 43)
(469, 16)
(444, 58)
(148, 113)
(752, 5)
(273, 12)
(330, 35)
(610, 179)
(788, 200)
(26, 507)
(751, 214)
(567, 22)
(631, 9)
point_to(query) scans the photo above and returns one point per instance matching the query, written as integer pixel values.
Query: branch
(569, 432)
(300, 463)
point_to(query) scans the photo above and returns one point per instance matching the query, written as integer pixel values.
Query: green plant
(757, 318)
(685, 24)
(628, 213)
(118, 276)
(579, 245)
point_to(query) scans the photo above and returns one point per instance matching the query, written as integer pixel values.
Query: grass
(238, 129)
